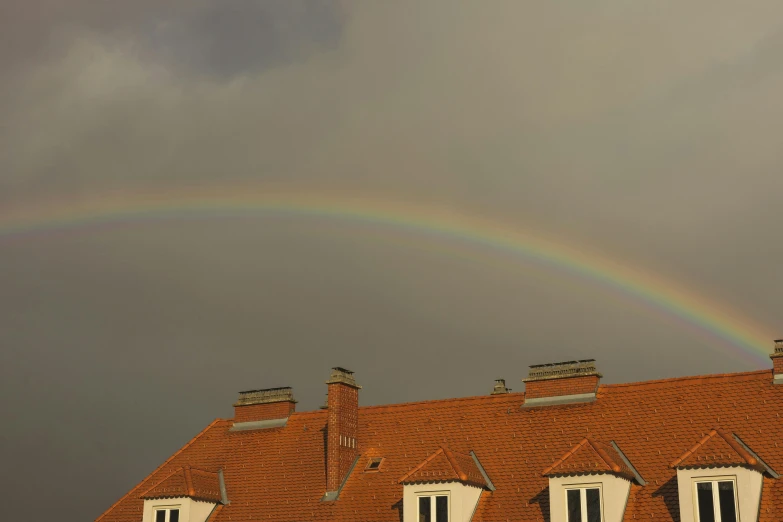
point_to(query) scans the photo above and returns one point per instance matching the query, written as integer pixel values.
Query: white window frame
(715, 499)
(167, 509)
(583, 497)
(432, 495)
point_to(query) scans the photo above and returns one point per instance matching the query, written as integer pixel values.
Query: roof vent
(561, 383)
(500, 387)
(268, 408)
(777, 361)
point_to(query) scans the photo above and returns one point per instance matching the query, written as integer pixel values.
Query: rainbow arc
(745, 337)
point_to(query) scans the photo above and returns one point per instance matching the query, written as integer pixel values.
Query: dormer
(591, 481)
(445, 487)
(186, 495)
(720, 480)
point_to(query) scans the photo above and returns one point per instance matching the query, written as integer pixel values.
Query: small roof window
(374, 464)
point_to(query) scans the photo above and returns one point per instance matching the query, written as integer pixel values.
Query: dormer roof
(590, 456)
(187, 482)
(717, 449)
(446, 466)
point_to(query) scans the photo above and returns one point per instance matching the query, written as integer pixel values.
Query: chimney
(500, 387)
(341, 429)
(777, 362)
(561, 383)
(256, 409)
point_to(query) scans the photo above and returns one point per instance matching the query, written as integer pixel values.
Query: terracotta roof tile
(187, 482)
(590, 457)
(653, 423)
(445, 466)
(717, 448)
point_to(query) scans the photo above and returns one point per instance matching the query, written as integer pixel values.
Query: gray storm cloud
(649, 131)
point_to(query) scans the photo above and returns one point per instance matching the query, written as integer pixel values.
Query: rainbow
(739, 334)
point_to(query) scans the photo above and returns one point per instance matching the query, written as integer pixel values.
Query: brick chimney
(777, 362)
(561, 383)
(263, 408)
(341, 429)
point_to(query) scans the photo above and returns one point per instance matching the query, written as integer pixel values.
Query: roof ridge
(189, 481)
(423, 463)
(685, 378)
(596, 446)
(137, 486)
(564, 457)
(504, 396)
(733, 444)
(608, 460)
(454, 464)
(742, 452)
(161, 481)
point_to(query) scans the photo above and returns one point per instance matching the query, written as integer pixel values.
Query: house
(568, 449)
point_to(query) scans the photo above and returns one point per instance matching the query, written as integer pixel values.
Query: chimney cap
(341, 375)
(562, 370)
(500, 387)
(265, 396)
(547, 365)
(778, 347)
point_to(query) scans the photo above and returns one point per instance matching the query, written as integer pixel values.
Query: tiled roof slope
(445, 466)
(187, 482)
(279, 474)
(717, 448)
(589, 456)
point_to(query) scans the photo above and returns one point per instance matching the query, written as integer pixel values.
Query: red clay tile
(279, 474)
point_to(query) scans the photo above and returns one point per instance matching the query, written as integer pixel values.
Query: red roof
(187, 482)
(590, 457)
(717, 448)
(279, 473)
(446, 466)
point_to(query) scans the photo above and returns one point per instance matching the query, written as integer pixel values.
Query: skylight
(374, 464)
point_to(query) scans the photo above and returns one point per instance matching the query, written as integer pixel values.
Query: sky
(649, 132)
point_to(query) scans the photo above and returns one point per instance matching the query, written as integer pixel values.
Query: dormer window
(716, 500)
(591, 483)
(167, 514)
(434, 508)
(445, 486)
(712, 476)
(583, 504)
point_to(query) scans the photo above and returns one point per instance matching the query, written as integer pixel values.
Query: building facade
(568, 449)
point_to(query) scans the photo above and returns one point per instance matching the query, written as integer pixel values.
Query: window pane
(441, 509)
(728, 511)
(593, 505)
(574, 505)
(424, 509)
(160, 516)
(704, 498)
(174, 515)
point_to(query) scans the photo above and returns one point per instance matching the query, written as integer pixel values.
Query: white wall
(614, 495)
(749, 484)
(189, 510)
(462, 502)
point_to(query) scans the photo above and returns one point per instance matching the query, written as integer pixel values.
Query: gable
(716, 449)
(590, 457)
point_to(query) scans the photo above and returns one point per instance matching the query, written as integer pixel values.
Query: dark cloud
(648, 132)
